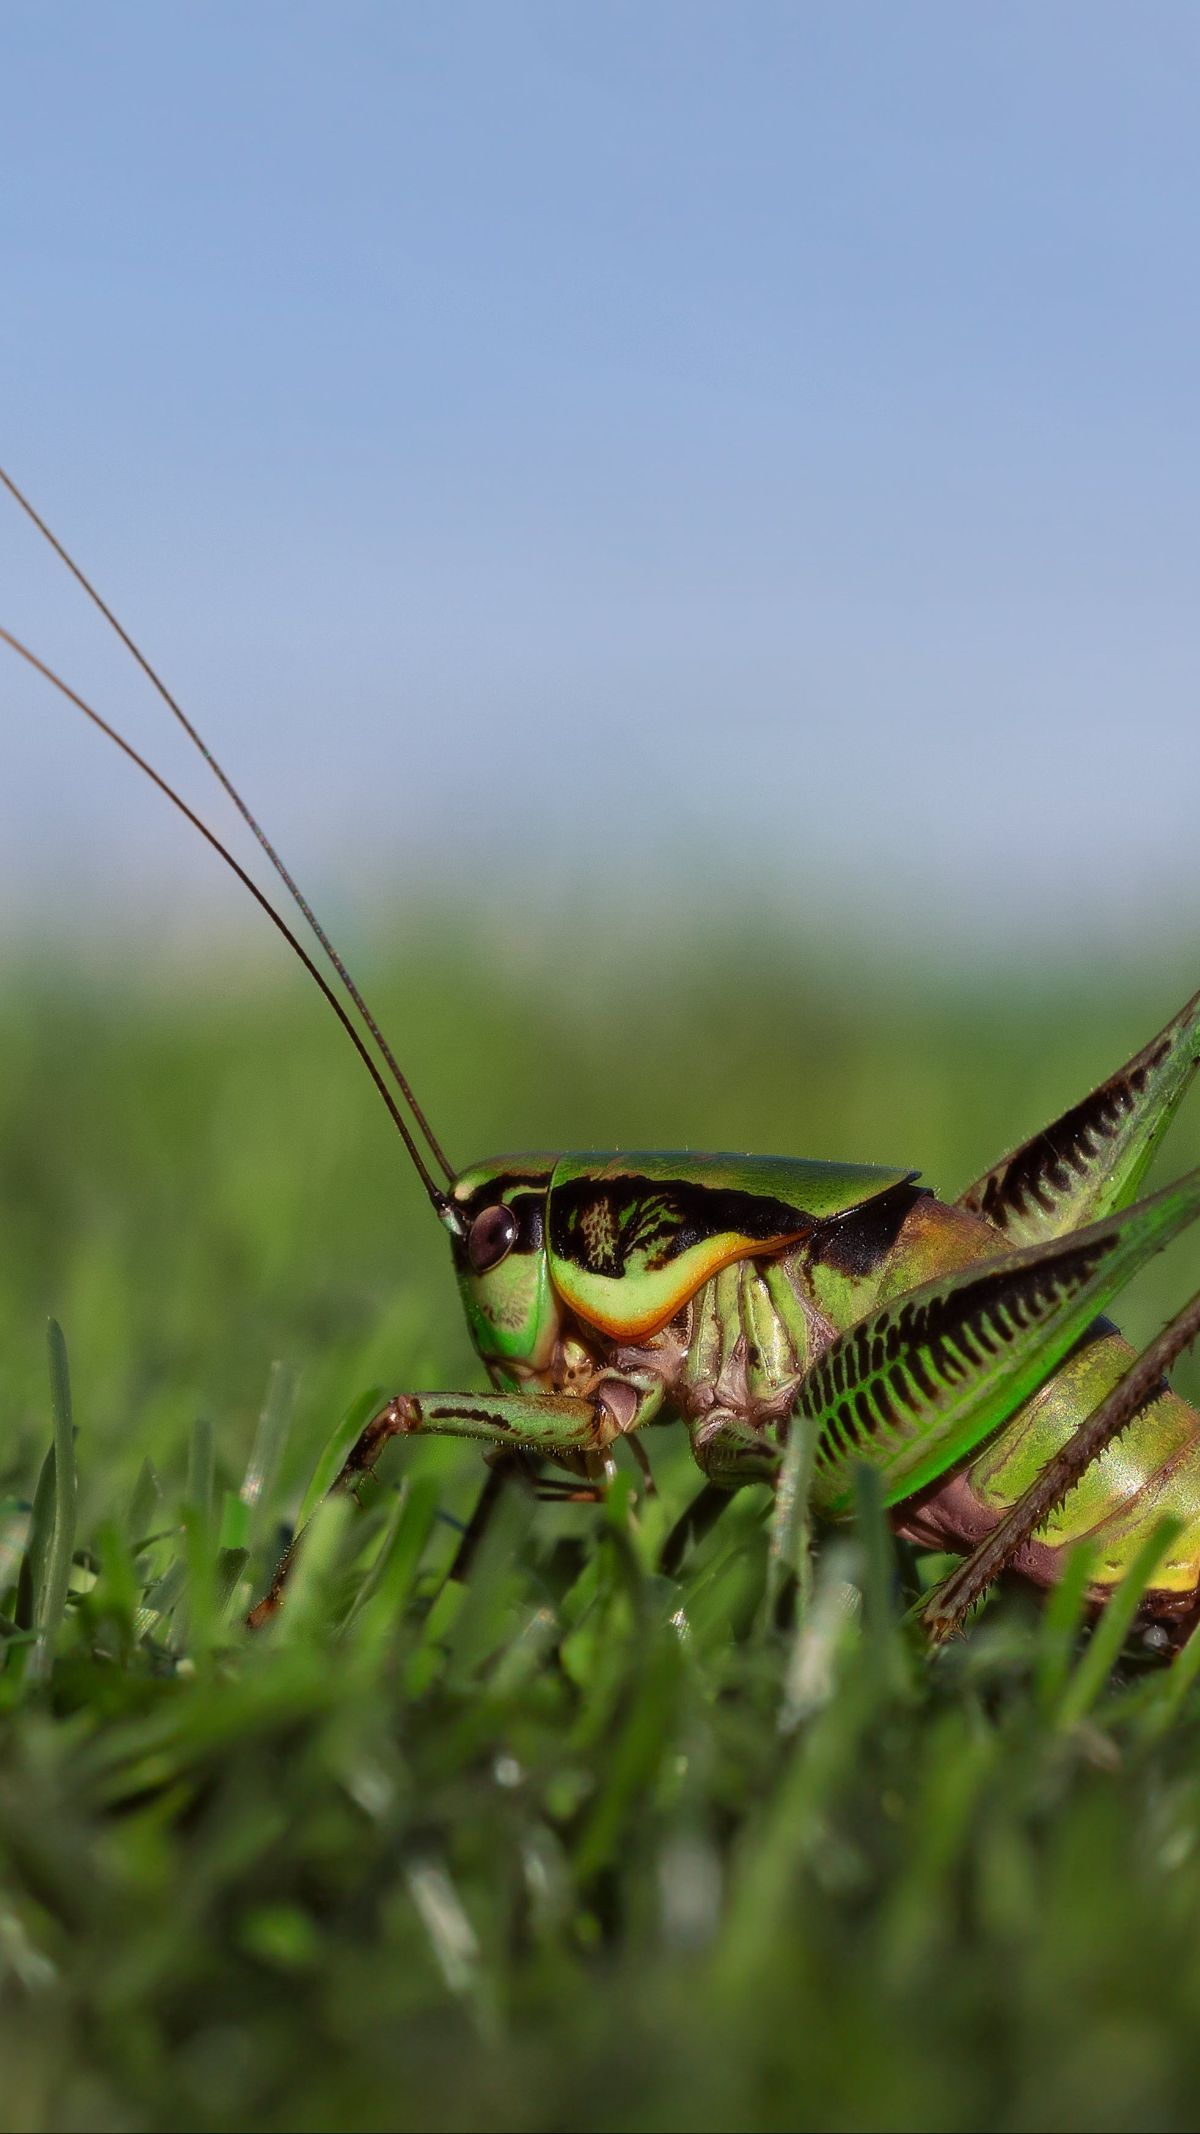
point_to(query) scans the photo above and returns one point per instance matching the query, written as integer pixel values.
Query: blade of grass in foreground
(884, 1636)
(1175, 1688)
(789, 1545)
(1113, 1627)
(387, 1586)
(258, 1485)
(1058, 1636)
(52, 1528)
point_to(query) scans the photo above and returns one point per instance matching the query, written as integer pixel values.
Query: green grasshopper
(953, 1346)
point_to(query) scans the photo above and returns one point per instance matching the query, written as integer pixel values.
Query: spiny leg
(1092, 1160)
(555, 1425)
(948, 1607)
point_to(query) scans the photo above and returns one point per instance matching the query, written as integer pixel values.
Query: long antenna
(218, 772)
(444, 1207)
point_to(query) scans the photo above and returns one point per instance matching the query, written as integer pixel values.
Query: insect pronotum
(954, 1346)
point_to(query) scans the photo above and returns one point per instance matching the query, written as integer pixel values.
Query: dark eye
(492, 1234)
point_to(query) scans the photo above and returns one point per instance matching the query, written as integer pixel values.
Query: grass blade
(386, 1588)
(52, 1531)
(884, 1636)
(269, 1439)
(1114, 1625)
(201, 1489)
(336, 1452)
(1060, 1628)
(1176, 1687)
(789, 1545)
(145, 1505)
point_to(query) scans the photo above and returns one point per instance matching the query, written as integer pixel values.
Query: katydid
(954, 1346)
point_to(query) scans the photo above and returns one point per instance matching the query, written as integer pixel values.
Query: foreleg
(551, 1424)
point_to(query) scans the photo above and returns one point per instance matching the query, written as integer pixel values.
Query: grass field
(570, 1844)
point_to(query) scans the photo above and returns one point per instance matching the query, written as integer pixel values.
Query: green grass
(569, 1843)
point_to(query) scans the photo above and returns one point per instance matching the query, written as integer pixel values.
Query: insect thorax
(739, 1347)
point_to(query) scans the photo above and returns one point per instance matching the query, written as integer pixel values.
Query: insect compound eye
(492, 1234)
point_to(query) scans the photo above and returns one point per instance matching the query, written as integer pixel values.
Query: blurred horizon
(611, 474)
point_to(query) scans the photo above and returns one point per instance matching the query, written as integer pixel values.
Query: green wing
(632, 1236)
(915, 1387)
(1093, 1159)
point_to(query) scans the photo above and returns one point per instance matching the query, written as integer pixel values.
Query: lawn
(569, 1842)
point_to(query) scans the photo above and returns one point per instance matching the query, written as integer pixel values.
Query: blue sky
(580, 454)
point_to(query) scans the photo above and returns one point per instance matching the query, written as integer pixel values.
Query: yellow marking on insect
(607, 1302)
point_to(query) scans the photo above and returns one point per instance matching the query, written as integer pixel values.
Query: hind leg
(1171, 1493)
(1091, 1161)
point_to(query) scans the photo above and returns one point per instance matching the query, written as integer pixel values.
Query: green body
(954, 1347)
